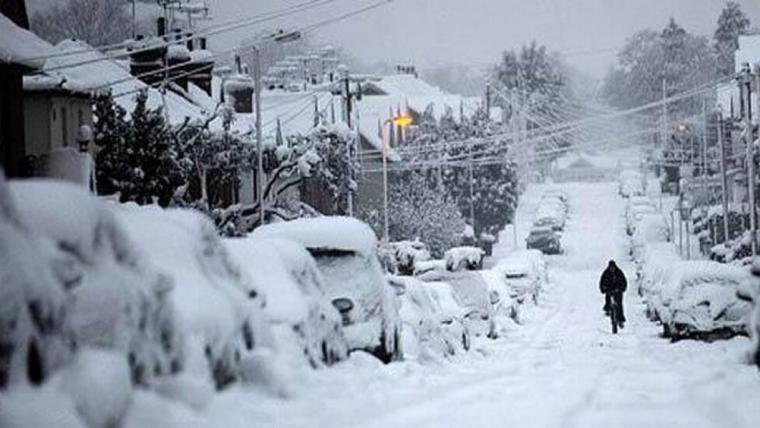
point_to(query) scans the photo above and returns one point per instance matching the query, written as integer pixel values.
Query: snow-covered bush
(218, 307)
(118, 300)
(307, 328)
(468, 258)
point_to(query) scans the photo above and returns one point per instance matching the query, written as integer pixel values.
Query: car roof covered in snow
(324, 233)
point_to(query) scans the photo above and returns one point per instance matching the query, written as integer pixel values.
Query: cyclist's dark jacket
(613, 280)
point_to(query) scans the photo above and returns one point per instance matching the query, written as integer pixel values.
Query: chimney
(238, 64)
(161, 26)
(202, 42)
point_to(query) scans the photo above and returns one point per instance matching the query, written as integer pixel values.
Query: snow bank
(295, 293)
(326, 233)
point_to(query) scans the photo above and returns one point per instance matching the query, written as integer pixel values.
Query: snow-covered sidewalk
(562, 369)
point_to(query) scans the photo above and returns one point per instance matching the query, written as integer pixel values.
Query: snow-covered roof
(748, 52)
(20, 46)
(295, 110)
(95, 72)
(586, 160)
(418, 94)
(326, 233)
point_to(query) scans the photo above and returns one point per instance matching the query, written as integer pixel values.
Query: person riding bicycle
(613, 284)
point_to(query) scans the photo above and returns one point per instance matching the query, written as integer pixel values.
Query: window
(80, 114)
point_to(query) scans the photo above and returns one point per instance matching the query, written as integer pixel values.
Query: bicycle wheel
(613, 317)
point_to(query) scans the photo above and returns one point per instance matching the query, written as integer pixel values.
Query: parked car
(429, 330)
(345, 250)
(470, 292)
(701, 301)
(544, 239)
(111, 295)
(296, 303)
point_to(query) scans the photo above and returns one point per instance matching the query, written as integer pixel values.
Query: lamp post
(402, 121)
(279, 37)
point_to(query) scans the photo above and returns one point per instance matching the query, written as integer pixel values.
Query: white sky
(430, 32)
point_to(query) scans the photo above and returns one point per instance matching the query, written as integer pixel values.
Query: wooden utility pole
(724, 180)
(746, 82)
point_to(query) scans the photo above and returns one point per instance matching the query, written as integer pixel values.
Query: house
(20, 53)
(384, 97)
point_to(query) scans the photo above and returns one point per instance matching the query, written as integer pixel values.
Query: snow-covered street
(562, 369)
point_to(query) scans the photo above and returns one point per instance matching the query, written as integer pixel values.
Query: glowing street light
(402, 121)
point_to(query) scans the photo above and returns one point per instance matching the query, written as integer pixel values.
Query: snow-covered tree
(451, 152)
(323, 155)
(97, 22)
(418, 210)
(679, 59)
(732, 23)
(136, 158)
(215, 159)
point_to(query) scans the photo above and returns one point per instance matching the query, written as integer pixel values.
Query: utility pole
(664, 116)
(488, 101)
(747, 84)
(472, 193)
(134, 19)
(723, 181)
(259, 142)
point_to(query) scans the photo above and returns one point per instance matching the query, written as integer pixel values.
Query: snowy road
(564, 369)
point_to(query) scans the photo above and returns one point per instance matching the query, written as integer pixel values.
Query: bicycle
(614, 313)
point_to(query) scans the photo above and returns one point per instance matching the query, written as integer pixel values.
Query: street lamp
(279, 37)
(402, 121)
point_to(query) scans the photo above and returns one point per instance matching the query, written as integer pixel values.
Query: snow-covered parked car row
(691, 299)
(143, 296)
(549, 220)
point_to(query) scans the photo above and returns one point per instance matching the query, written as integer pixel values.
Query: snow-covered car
(544, 239)
(702, 301)
(303, 319)
(550, 215)
(525, 274)
(220, 310)
(470, 291)
(115, 298)
(429, 330)
(635, 212)
(556, 194)
(516, 281)
(651, 228)
(345, 250)
(630, 183)
(464, 258)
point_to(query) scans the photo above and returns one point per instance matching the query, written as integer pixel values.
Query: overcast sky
(431, 32)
